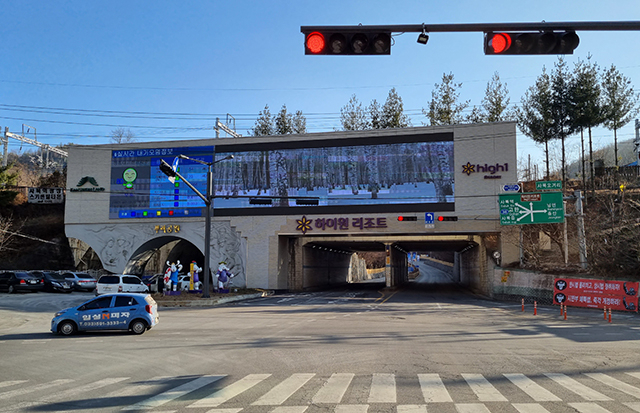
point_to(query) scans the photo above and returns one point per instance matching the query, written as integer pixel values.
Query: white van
(120, 283)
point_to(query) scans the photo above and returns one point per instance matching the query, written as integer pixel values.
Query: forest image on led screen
(338, 176)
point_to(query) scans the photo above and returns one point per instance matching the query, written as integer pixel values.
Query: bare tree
(122, 135)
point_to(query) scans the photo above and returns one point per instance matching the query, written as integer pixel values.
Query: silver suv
(120, 283)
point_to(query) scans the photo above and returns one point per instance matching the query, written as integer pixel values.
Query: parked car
(134, 312)
(153, 282)
(13, 281)
(120, 283)
(53, 281)
(185, 280)
(81, 281)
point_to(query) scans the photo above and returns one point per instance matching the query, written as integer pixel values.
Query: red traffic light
(499, 42)
(315, 42)
(530, 43)
(443, 218)
(319, 40)
(405, 218)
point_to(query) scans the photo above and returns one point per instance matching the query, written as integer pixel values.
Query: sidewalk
(210, 302)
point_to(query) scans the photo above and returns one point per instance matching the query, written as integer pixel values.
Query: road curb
(211, 302)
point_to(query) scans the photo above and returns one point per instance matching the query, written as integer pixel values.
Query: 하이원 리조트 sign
(616, 295)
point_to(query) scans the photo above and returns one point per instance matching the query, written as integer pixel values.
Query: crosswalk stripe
(472, 408)
(223, 410)
(352, 408)
(217, 398)
(412, 408)
(10, 383)
(383, 389)
(589, 408)
(173, 394)
(284, 390)
(529, 408)
(634, 374)
(635, 406)
(615, 383)
(334, 389)
(289, 409)
(483, 389)
(578, 388)
(537, 392)
(39, 387)
(83, 390)
(433, 389)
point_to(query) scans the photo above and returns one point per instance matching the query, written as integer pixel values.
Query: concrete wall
(515, 284)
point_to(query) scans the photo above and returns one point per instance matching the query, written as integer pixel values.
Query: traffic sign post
(531, 208)
(429, 218)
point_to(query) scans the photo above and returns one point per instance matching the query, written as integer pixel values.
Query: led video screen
(411, 173)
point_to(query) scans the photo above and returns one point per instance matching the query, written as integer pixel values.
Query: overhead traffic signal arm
(530, 43)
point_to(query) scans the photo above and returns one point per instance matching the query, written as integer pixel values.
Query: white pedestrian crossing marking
(11, 383)
(617, 384)
(578, 388)
(289, 409)
(334, 389)
(635, 374)
(483, 389)
(284, 390)
(433, 389)
(530, 408)
(383, 389)
(635, 406)
(472, 408)
(412, 408)
(231, 391)
(352, 408)
(39, 387)
(223, 410)
(589, 408)
(173, 394)
(537, 392)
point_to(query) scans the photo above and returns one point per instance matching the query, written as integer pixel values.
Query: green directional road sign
(531, 208)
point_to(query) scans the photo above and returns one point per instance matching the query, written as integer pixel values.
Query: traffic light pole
(483, 27)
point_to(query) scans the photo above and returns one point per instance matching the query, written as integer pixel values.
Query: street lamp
(208, 200)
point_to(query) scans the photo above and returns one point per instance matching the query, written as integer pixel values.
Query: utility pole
(5, 142)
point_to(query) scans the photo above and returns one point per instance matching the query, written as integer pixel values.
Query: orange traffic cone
(565, 312)
(523, 305)
(609, 314)
(561, 309)
(535, 308)
(605, 313)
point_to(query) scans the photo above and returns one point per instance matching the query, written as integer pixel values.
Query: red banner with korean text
(616, 295)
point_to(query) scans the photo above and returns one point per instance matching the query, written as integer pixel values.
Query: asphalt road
(426, 348)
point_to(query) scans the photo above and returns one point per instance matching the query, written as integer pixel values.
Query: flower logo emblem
(304, 224)
(468, 168)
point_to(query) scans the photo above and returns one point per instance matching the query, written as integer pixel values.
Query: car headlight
(59, 313)
(55, 283)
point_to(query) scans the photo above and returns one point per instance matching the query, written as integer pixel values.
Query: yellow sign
(167, 229)
(505, 276)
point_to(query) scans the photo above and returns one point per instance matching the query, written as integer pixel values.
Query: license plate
(32, 281)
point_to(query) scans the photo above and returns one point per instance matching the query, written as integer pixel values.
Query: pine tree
(534, 115)
(264, 123)
(620, 103)
(353, 116)
(585, 105)
(444, 108)
(495, 104)
(562, 122)
(392, 112)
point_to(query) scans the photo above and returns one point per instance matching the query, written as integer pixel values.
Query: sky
(77, 70)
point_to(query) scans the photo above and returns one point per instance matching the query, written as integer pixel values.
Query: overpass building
(289, 211)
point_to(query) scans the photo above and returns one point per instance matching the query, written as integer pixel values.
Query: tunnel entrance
(420, 262)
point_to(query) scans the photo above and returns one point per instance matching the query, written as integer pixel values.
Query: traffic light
(406, 218)
(443, 218)
(346, 43)
(530, 43)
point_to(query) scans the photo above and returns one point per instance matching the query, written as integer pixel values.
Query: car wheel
(138, 327)
(67, 328)
(12, 289)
